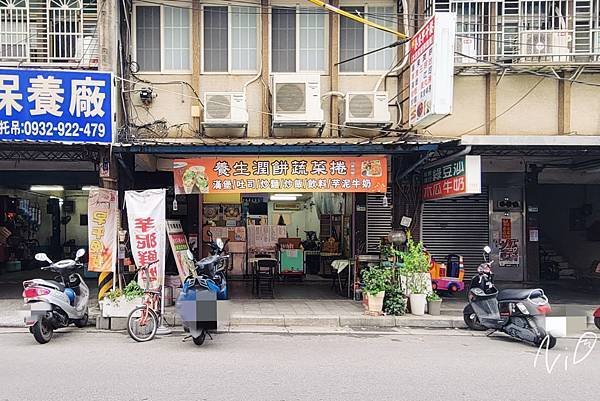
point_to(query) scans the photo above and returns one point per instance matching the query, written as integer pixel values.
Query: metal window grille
(525, 31)
(38, 32)
(65, 29)
(13, 29)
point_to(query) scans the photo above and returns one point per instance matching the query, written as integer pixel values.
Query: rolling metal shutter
(459, 226)
(379, 220)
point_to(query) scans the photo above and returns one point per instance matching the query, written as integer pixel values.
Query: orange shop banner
(102, 229)
(208, 175)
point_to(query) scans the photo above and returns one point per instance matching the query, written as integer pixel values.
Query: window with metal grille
(65, 29)
(13, 29)
(357, 39)
(230, 39)
(298, 40)
(37, 32)
(162, 38)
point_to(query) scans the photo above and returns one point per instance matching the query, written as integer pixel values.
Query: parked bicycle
(144, 320)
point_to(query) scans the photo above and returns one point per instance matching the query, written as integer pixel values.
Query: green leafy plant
(115, 294)
(434, 297)
(414, 262)
(376, 279)
(394, 302)
(133, 290)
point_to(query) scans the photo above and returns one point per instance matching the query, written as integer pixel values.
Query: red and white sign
(455, 178)
(147, 233)
(179, 246)
(432, 70)
(102, 229)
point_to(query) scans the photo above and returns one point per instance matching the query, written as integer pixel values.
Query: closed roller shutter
(379, 220)
(460, 226)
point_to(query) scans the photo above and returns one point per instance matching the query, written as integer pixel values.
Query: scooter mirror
(220, 243)
(80, 253)
(189, 254)
(487, 249)
(42, 257)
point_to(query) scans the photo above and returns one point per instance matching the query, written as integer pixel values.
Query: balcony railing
(525, 31)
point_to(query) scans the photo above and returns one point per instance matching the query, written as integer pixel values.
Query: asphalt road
(89, 365)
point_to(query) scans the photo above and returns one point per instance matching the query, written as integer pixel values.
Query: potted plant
(434, 304)
(375, 281)
(415, 269)
(120, 302)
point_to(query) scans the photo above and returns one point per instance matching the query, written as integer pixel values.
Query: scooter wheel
(597, 322)
(549, 344)
(472, 322)
(81, 323)
(42, 331)
(200, 339)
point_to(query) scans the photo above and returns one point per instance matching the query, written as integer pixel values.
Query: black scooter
(520, 313)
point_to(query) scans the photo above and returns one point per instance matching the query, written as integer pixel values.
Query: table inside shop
(326, 259)
(253, 263)
(339, 265)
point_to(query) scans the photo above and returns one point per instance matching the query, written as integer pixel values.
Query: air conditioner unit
(87, 51)
(225, 108)
(546, 43)
(296, 100)
(466, 46)
(366, 108)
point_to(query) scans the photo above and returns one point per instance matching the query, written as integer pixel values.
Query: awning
(222, 146)
(530, 140)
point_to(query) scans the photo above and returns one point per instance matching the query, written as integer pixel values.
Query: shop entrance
(294, 225)
(42, 211)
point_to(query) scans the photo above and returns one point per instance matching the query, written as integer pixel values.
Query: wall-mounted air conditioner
(296, 100)
(227, 108)
(546, 43)
(466, 50)
(366, 108)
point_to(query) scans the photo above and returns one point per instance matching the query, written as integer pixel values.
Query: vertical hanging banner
(432, 70)
(102, 229)
(147, 232)
(179, 246)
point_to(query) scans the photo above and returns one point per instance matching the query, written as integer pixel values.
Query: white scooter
(56, 303)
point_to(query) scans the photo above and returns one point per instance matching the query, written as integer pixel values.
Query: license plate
(40, 306)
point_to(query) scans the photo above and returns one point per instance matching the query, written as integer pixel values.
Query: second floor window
(162, 38)
(230, 39)
(298, 40)
(357, 39)
(49, 31)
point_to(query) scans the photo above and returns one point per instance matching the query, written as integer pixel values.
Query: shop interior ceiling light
(88, 187)
(46, 188)
(285, 197)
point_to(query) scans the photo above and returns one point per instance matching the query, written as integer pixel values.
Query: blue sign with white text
(56, 106)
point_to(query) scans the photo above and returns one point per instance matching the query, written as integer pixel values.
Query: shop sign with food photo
(280, 174)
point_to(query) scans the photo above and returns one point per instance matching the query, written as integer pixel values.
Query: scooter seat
(519, 294)
(60, 286)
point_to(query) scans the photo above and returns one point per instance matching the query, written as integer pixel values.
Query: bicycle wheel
(142, 324)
